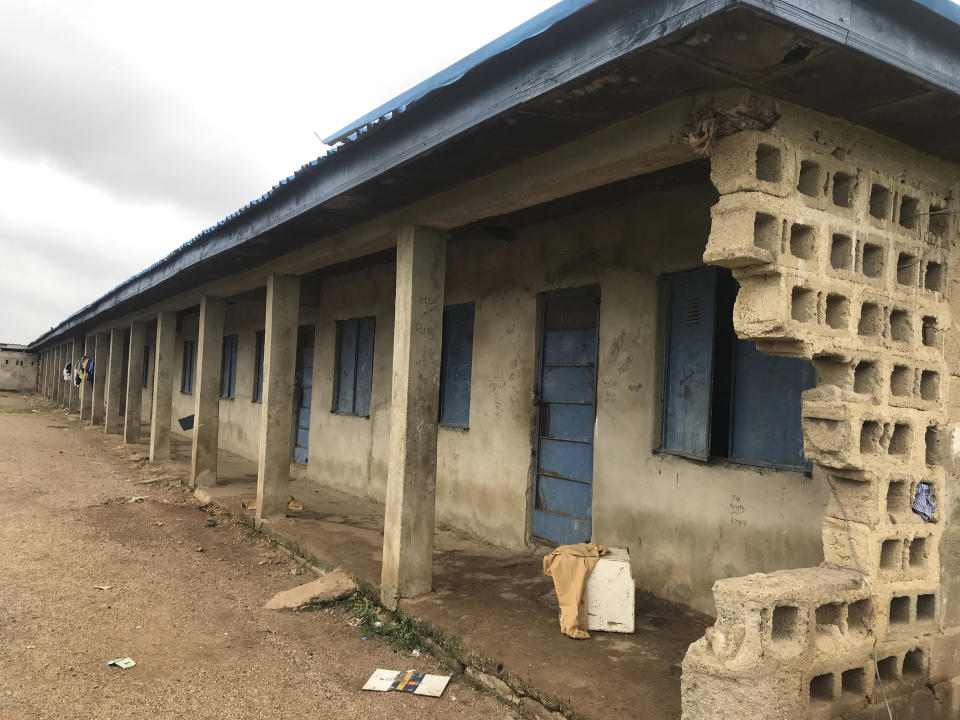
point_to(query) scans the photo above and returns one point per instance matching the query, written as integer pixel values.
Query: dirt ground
(184, 601)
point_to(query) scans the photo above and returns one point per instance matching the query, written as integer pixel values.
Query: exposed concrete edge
(476, 669)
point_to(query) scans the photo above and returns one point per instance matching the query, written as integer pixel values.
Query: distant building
(18, 368)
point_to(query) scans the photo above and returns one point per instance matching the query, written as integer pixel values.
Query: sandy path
(192, 620)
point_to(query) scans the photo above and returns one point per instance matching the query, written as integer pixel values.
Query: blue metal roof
(533, 26)
(946, 8)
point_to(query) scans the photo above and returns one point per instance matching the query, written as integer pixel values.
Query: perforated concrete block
(886, 554)
(707, 696)
(945, 656)
(829, 433)
(741, 237)
(906, 610)
(950, 551)
(950, 602)
(773, 618)
(859, 499)
(846, 263)
(760, 311)
(753, 160)
(877, 499)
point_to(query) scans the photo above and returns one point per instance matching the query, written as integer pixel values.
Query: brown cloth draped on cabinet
(570, 566)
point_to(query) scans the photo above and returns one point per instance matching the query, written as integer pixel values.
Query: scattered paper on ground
(103, 587)
(123, 663)
(410, 681)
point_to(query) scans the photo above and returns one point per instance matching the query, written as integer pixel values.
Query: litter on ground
(410, 681)
(123, 663)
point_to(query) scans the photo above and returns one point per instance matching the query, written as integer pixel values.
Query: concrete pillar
(52, 371)
(276, 412)
(101, 369)
(86, 388)
(45, 373)
(73, 392)
(55, 388)
(163, 373)
(55, 370)
(111, 413)
(61, 383)
(131, 422)
(412, 473)
(206, 392)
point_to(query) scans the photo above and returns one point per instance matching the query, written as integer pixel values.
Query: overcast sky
(126, 128)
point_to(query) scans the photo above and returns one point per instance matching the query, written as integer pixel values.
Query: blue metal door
(304, 390)
(568, 398)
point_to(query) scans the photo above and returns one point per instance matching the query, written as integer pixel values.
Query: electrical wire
(863, 579)
(932, 212)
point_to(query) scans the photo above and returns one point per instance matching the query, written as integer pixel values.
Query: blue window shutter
(258, 367)
(366, 329)
(688, 363)
(224, 367)
(186, 375)
(228, 367)
(347, 360)
(765, 428)
(233, 366)
(457, 365)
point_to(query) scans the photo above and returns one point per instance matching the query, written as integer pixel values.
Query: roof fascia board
(907, 35)
(530, 28)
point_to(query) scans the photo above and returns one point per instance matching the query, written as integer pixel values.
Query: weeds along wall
(843, 242)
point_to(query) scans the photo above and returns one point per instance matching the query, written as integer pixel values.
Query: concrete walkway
(495, 610)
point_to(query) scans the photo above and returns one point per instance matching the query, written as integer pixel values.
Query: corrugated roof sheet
(533, 26)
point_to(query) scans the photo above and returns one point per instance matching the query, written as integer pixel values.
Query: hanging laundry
(922, 504)
(67, 372)
(89, 372)
(78, 375)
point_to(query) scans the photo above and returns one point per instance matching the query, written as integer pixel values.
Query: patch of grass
(13, 410)
(400, 633)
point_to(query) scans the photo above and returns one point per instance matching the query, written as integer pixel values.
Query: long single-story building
(668, 275)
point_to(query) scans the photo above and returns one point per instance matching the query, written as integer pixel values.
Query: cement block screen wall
(841, 247)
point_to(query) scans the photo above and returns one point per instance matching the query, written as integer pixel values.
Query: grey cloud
(76, 105)
(46, 276)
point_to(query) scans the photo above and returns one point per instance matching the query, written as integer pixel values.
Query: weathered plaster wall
(745, 519)
(347, 451)
(18, 370)
(239, 415)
